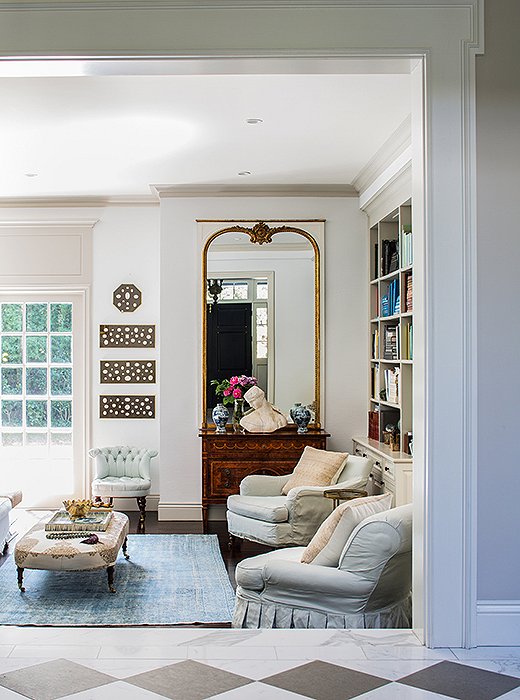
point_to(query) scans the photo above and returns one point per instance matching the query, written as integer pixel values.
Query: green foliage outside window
(61, 381)
(36, 317)
(12, 316)
(61, 349)
(36, 414)
(61, 414)
(12, 349)
(36, 348)
(12, 414)
(35, 380)
(61, 318)
(11, 380)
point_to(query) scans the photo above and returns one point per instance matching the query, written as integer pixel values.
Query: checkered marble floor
(196, 664)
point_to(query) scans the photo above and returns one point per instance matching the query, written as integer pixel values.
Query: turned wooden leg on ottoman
(110, 575)
(20, 579)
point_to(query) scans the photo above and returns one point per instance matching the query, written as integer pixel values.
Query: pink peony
(237, 393)
(227, 392)
(233, 381)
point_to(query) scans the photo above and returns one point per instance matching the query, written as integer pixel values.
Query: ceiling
(118, 134)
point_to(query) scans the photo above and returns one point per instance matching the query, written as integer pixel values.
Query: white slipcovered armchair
(262, 514)
(369, 588)
(123, 472)
(7, 502)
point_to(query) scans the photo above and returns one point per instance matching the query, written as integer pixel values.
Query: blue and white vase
(292, 409)
(301, 416)
(220, 415)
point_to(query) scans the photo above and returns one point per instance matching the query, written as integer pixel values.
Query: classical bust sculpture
(263, 417)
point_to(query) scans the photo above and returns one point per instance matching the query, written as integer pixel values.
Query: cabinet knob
(227, 478)
(387, 469)
(378, 464)
(363, 454)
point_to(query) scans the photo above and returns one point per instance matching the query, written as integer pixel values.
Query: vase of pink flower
(232, 391)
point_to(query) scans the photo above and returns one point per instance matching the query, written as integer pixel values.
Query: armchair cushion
(271, 509)
(316, 468)
(328, 543)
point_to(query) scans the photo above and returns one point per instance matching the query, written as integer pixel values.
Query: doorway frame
(446, 38)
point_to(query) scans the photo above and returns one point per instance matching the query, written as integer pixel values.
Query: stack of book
(406, 246)
(391, 302)
(389, 257)
(391, 343)
(374, 381)
(94, 521)
(392, 384)
(409, 291)
(375, 344)
(407, 341)
(373, 425)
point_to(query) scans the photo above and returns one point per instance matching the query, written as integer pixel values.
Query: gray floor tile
(188, 680)
(53, 679)
(461, 681)
(321, 681)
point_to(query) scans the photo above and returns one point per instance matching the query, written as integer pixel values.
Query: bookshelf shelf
(390, 354)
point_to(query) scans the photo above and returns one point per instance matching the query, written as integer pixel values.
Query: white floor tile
(233, 652)
(6, 694)
(11, 664)
(391, 669)
(488, 653)
(55, 651)
(251, 668)
(124, 667)
(291, 638)
(383, 651)
(115, 691)
(324, 653)
(395, 691)
(258, 691)
(404, 638)
(143, 652)
(512, 695)
(5, 650)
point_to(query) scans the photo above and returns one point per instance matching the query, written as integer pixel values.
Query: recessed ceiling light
(244, 172)
(254, 120)
(31, 174)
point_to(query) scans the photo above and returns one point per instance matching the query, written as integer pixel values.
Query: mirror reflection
(260, 316)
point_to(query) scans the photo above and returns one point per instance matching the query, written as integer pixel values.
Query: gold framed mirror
(261, 298)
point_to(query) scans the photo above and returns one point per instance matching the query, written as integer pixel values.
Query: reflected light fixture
(215, 290)
(245, 172)
(254, 120)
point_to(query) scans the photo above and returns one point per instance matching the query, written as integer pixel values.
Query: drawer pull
(363, 454)
(387, 469)
(227, 477)
(379, 483)
(377, 464)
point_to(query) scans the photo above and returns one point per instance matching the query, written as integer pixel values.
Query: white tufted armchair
(123, 472)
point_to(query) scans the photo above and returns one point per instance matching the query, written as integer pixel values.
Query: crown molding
(68, 5)
(393, 147)
(48, 223)
(146, 200)
(167, 191)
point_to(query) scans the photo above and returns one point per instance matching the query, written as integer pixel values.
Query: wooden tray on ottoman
(36, 551)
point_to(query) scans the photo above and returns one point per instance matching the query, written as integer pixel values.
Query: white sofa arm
(358, 483)
(263, 485)
(312, 586)
(308, 508)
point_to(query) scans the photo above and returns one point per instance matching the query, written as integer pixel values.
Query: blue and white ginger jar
(220, 415)
(302, 417)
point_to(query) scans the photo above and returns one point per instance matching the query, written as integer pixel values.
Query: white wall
(126, 249)
(498, 158)
(345, 340)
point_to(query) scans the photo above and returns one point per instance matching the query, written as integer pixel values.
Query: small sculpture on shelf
(263, 416)
(77, 508)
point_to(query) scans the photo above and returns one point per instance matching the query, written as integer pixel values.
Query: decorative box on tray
(94, 521)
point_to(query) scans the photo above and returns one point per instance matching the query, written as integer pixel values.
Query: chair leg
(6, 547)
(141, 502)
(234, 543)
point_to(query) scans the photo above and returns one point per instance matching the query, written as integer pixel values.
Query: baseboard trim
(130, 504)
(498, 623)
(179, 511)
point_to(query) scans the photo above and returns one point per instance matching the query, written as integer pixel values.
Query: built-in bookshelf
(389, 442)
(391, 330)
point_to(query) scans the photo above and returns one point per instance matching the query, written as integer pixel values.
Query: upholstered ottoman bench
(37, 551)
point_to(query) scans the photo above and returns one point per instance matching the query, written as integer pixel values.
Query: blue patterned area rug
(168, 580)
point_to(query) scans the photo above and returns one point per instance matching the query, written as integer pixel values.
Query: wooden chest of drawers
(227, 459)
